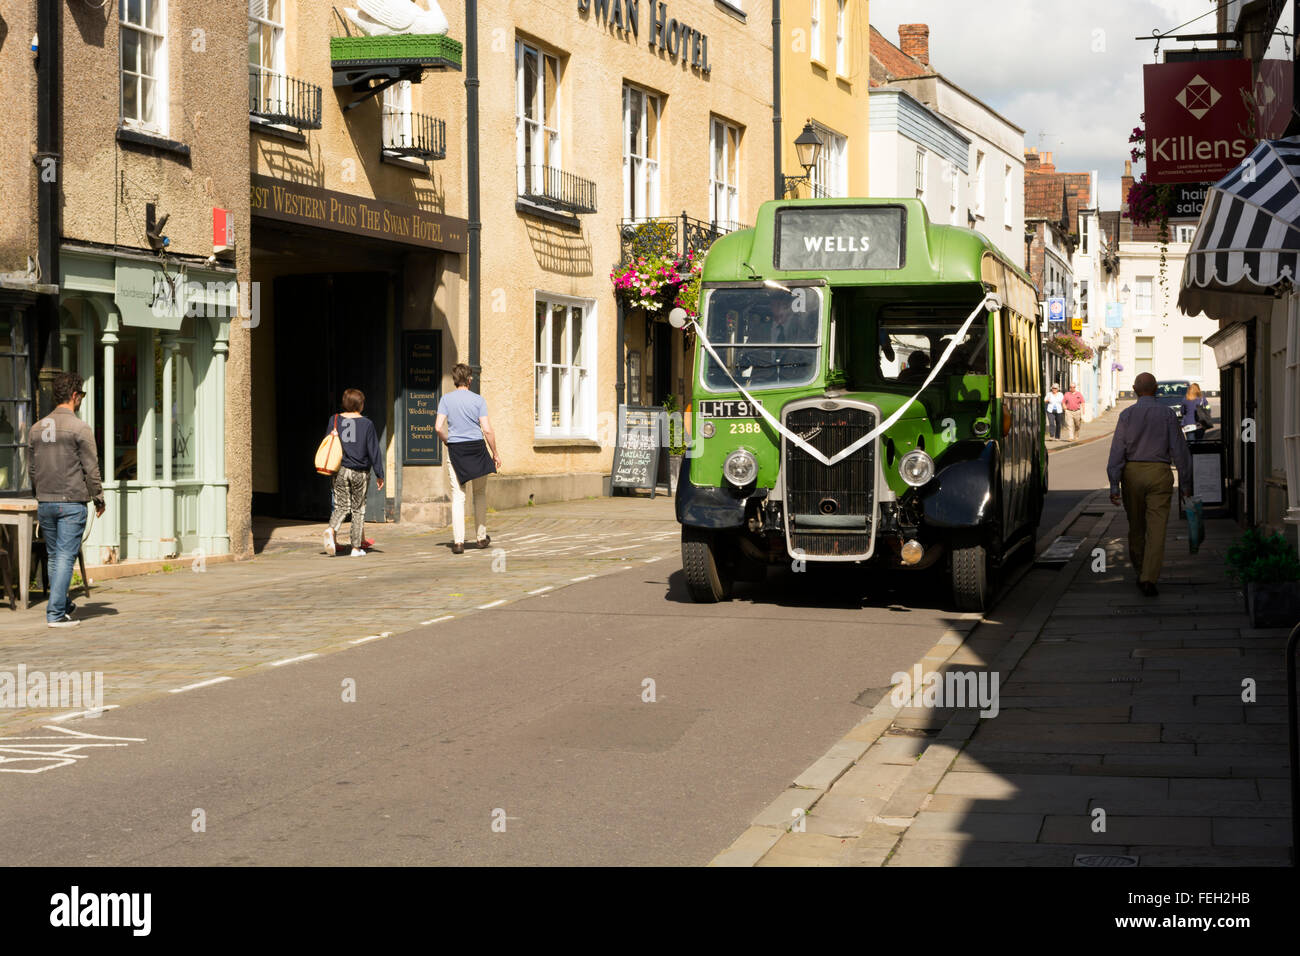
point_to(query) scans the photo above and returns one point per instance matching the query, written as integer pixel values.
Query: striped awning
(1248, 239)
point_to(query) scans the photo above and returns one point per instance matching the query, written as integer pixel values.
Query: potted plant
(676, 441)
(1268, 569)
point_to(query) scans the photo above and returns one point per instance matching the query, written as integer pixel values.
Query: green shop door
(330, 335)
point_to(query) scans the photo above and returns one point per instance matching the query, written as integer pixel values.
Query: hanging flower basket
(661, 283)
(1070, 347)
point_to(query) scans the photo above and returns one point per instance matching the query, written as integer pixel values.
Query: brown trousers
(1147, 487)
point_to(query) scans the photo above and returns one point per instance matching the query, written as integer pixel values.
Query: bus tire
(972, 578)
(707, 565)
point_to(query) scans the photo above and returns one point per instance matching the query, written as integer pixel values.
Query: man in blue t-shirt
(463, 425)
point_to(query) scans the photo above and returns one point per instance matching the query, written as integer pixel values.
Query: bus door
(1021, 400)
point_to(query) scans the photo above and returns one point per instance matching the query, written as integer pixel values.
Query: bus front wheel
(972, 578)
(708, 564)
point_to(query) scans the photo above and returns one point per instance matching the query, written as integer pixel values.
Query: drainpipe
(1293, 127)
(475, 224)
(778, 180)
(48, 61)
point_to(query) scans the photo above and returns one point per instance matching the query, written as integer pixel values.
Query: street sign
(1076, 324)
(1196, 116)
(1056, 308)
(1114, 315)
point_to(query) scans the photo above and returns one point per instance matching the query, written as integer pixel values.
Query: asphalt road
(530, 715)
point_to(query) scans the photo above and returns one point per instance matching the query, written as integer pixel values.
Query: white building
(1095, 289)
(918, 152)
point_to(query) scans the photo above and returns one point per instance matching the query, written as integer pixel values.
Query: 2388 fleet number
(742, 428)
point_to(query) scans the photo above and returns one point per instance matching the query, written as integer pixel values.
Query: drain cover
(1097, 859)
(1059, 551)
(1126, 680)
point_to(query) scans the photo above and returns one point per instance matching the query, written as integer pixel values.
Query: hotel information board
(421, 389)
(636, 453)
(816, 238)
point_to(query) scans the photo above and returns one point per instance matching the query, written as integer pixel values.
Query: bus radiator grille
(829, 508)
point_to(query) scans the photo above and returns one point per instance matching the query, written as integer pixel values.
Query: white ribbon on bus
(990, 303)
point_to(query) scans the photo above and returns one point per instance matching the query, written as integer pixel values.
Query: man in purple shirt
(1147, 440)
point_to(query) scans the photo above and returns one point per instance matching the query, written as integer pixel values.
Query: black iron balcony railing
(549, 186)
(669, 235)
(281, 99)
(414, 134)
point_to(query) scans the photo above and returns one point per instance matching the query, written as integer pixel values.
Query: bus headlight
(916, 468)
(740, 468)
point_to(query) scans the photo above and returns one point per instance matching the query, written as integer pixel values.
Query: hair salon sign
(682, 42)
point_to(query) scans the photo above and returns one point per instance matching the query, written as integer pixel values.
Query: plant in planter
(1268, 569)
(1070, 347)
(676, 441)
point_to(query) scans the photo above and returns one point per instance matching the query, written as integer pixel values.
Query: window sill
(566, 443)
(414, 165)
(568, 221)
(271, 129)
(135, 137)
(733, 10)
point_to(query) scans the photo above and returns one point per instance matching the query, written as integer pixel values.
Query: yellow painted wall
(812, 88)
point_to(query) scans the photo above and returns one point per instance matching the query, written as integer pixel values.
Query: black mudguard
(962, 495)
(703, 507)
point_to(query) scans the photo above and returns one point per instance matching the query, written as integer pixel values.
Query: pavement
(1128, 731)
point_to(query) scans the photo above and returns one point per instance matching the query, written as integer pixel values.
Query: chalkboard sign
(421, 389)
(636, 453)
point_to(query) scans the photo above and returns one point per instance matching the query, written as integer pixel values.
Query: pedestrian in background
(1196, 412)
(1055, 410)
(63, 465)
(1073, 402)
(463, 426)
(1146, 442)
(361, 455)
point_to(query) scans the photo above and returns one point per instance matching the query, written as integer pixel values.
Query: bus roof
(865, 242)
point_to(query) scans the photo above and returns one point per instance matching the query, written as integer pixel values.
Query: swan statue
(389, 17)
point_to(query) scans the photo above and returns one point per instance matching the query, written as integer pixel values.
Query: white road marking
(202, 683)
(437, 620)
(585, 577)
(362, 640)
(385, 633)
(84, 713)
(484, 607)
(294, 660)
(543, 590)
(653, 560)
(626, 547)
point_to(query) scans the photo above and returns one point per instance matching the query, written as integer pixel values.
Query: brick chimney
(1125, 184)
(1031, 160)
(914, 40)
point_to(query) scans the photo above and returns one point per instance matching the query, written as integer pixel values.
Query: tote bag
(329, 454)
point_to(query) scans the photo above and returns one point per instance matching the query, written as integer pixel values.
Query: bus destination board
(817, 238)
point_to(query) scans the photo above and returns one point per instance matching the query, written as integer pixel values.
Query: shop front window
(181, 417)
(15, 402)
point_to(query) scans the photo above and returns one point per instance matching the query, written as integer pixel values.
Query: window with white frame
(1084, 308)
(830, 176)
(1184, 233)
(815, 31)
(724, 173)
(1191, 357)
(537, 118)
(1144, 353)
(143, 42)
(642, 112)
(1142, 302)
(979, 183)
(397, 115)
(1006, 196)
(952, 193)
(266, 84)
(564, 385)
(920, 173)
(841, 37)
(1083, 233)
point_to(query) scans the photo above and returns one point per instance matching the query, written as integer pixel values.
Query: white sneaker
(65, 621)
(358, 553)
(330, 547)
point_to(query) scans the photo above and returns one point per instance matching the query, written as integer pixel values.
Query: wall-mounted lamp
(808, 147)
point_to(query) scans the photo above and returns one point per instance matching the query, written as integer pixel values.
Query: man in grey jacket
(63, 465)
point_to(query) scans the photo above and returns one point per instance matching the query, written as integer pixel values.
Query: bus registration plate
(727, 408)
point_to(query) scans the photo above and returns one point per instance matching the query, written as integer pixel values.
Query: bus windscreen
(767, 338)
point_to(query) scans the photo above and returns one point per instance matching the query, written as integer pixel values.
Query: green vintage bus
(816, 327)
